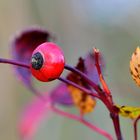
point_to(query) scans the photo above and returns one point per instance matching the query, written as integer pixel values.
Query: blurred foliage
(112, 26)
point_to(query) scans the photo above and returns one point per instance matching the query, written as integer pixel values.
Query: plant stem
(135, 128)
(84, 76)
(14, 62)
(79, 87)
(116, 122)
(97, 55)
(83, 121)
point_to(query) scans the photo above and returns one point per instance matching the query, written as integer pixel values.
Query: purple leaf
(22, 47)
(61, 95)
(91, 71)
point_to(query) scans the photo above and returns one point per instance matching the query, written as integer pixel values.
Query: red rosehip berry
(47, 62)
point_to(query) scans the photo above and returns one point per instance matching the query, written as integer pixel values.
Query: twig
(79, 87)
(135, 127)
(105, 87)
(83, 121)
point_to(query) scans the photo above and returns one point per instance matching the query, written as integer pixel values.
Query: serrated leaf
(135, 66)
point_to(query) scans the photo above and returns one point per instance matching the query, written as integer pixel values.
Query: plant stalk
(116, 123)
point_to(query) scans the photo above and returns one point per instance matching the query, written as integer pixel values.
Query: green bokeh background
(112, 26)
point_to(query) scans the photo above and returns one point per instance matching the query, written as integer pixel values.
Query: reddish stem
(116, 122)
(83, 121)
(107, 98)
(135, 128)
(105, 87)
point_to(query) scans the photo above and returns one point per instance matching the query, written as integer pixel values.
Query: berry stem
(13, 62)
(79, 87)
(135, 128)
(84, 76)
(83, 121)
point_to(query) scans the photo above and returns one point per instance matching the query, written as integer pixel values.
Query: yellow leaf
(129, 111)
(135, 66)
(82, 100)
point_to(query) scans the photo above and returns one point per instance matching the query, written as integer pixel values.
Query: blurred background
(112, 26)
